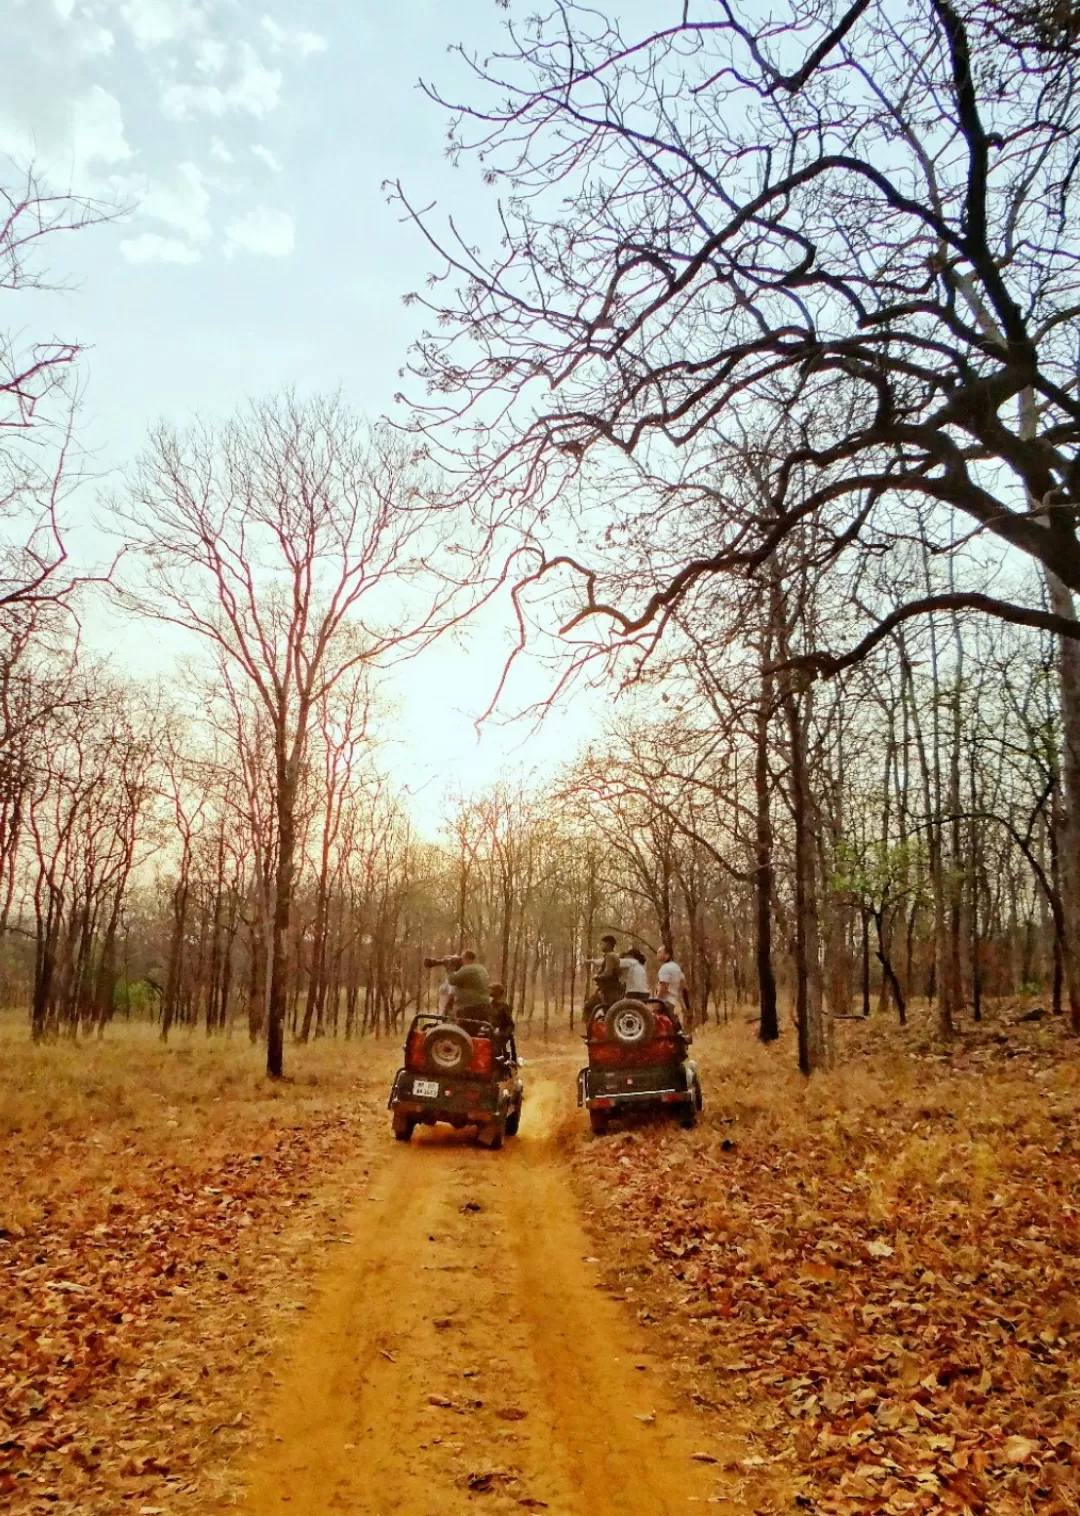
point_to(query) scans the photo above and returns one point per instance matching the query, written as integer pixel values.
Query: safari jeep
(461, 1072)
(637, 1061)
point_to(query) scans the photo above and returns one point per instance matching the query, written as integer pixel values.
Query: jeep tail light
(480, 1062)
(414, 1051)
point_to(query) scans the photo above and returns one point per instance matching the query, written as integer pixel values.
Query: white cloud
(149, 247)
(277, 34)
(155, 22)
(264, 153)
(210, 55)
(255, 91)
(219, 152)
(285, 41)
(263, 231)
(87, 38)
(183, 204)
(97, 131)
(76, 145)
(257, 88)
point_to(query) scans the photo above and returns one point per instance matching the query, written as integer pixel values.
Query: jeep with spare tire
(461, 1071)
(638, 1060)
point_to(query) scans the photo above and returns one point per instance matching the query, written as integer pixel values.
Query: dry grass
(162, 1213)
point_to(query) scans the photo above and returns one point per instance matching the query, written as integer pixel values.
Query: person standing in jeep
(471, 987)
(446, 989)
(608, 979)
(671, 988)
(502, 1021)
(632, 963)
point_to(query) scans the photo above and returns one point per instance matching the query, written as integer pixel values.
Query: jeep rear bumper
(611, 1089)
(458, 1101)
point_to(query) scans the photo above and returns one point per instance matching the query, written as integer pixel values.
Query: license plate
(428, 1089)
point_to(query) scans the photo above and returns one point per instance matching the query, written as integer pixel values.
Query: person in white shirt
(632, 964)
(446, 989)
(671, 986)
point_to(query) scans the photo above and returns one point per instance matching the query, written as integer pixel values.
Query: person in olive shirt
(608, 979)
(472, 991)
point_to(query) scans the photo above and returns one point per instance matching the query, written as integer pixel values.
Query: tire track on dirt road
(459, 1355)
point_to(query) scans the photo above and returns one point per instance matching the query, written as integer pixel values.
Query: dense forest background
(138, 847)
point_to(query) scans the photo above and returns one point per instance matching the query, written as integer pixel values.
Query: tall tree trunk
(809, 998)
(954, 978)
(279, 952)
(1068, 665)
(769, 1024)
(174, 972)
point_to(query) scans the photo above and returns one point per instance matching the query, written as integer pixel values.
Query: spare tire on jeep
(630, 1022)
(447, 1049)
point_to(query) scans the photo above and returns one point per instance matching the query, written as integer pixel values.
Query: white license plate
(426, 1088)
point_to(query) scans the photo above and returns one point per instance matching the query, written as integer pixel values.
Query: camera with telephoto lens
(452, 964)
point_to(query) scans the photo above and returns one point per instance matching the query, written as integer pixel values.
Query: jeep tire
(630, 1022)
(447, 1049)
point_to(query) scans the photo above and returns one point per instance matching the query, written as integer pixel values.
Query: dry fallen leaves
(881, 1278)
(139, 1259)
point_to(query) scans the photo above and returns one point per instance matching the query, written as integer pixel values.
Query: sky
(250, 140)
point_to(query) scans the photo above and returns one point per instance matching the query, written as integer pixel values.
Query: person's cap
(608, 938)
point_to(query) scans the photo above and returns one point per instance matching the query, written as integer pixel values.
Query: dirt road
(460, 1356)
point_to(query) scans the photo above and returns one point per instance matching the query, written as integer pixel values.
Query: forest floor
(853, 1295)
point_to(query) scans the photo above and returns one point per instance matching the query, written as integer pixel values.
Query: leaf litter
(146, 1272)
(878, 1284)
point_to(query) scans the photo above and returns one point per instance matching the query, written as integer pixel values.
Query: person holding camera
(471, 986)
(465, 989)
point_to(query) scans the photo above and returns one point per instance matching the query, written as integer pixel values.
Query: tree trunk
(769, 1024)
(173, 974)
(279, 954)
(1068, 663)
(809, 998)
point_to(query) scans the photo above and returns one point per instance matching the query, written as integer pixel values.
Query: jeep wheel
(493, 1136)
(630, 1022)
(688, 1116)
(403, 1127)
(598, 1120)
(513, 1121)
(447, 1049)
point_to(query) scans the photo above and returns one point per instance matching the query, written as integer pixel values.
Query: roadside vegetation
(163, 1211)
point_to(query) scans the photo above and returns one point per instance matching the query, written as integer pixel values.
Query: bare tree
(810, 211)
(303, 546)
(37, 399)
